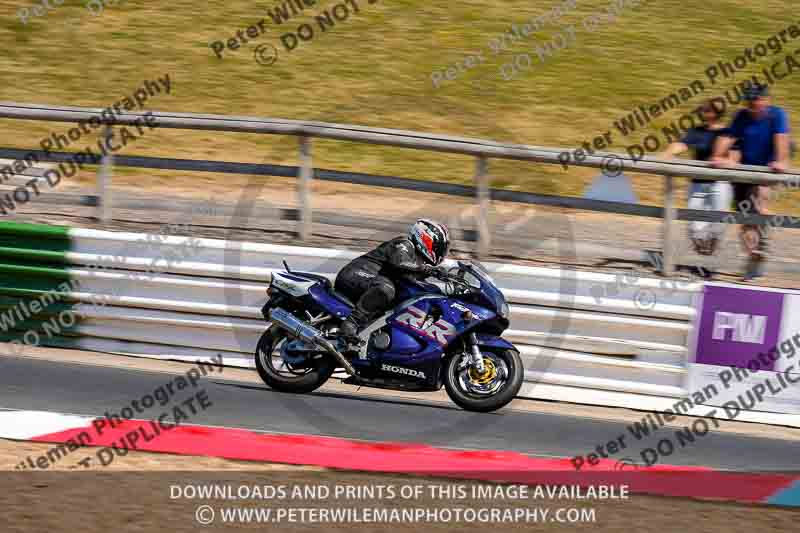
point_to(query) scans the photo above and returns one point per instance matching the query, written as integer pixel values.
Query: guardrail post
(669, 217)
(482, 186)
(304, 188)
(104, 196)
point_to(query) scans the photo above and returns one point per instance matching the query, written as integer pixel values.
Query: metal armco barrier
(583, 336)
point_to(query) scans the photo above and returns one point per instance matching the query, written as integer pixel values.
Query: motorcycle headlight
(504, 311)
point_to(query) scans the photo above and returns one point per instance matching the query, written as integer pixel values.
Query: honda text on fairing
(437, 336)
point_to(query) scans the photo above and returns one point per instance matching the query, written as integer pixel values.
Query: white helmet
(431, 239)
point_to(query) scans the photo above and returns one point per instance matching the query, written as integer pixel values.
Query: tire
(479, 403)
(308, 382)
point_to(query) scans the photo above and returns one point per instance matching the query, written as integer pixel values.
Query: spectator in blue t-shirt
(761, 135)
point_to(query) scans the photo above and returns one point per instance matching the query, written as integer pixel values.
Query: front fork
(476, 358)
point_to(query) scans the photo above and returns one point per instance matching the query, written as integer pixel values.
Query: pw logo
(745, 328)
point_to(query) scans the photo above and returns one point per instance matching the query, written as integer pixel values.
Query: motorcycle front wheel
(490, 390)
(282, 376)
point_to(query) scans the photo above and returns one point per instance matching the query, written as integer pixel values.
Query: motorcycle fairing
(492, 341)
(329, 302)
(420, 330)
(297, 286)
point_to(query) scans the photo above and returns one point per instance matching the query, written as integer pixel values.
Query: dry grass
(374, 69)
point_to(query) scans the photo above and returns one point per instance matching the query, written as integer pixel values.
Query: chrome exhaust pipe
(308, 333)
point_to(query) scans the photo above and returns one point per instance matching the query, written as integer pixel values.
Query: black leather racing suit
(369, 279)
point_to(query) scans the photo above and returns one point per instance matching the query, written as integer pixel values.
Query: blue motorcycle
(436, 336)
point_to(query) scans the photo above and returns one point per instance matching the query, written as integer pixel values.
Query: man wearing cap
(760, 134)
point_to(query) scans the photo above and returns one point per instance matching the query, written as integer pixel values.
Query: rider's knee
(387, 290)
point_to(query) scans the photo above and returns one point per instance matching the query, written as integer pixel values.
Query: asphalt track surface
(33, 384)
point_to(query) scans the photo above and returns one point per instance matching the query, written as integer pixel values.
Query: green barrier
(34, 281)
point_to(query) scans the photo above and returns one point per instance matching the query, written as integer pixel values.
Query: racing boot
(351, 327)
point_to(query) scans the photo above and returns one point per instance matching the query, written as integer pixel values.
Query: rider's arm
(781, 162)
(673, 150)
(721, 157)
(722, 148)
(678, 147)
(781, 140)
(692, 138)
(403, 258)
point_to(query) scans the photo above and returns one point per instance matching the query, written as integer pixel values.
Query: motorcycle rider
(369, 280)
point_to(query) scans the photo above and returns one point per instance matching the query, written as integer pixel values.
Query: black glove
(433, 272)
(426, 271)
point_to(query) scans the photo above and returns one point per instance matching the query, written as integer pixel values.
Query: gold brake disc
(485, 377)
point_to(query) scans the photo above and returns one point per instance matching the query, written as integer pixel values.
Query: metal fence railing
(482, 150)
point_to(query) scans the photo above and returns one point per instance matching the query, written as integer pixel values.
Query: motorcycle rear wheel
(287, 379)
